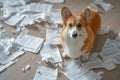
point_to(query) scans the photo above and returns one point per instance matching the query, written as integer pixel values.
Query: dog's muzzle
(74, 34)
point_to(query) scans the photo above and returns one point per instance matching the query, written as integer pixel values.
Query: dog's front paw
(65, 56)
(84, 57)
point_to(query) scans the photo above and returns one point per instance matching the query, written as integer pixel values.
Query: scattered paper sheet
(4, 66)
(8, 50)
(104, 5)
(1, 25)
(4, 35)
(100, 6)
(104, 30)
(52, 34)
(110, 54)
(50, 53)
(55, 16)
(14, 20)
(18, 13)
(55, 1)
(91, 75)
(29, 43)
(74, 71)
(93, 62)
(118, 37)
(45, 73)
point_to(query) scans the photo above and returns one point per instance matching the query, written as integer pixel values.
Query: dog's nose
(75, 34)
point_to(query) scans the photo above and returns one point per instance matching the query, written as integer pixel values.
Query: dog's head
(76, 25)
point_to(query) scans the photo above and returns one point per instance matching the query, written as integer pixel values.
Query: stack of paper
(29, 43)
(45, 73)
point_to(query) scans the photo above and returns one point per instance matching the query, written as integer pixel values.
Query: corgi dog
(78, 33)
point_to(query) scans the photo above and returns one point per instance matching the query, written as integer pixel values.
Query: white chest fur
(73, 46)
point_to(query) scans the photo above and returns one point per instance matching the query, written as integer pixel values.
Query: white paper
(21, 31)
(1, 25)
(118, 37)
(50, 53)
(45, 73)
(104, 5)
(30, 43)
(93, 62)
(55, 16)
(110, 53)
(73, 70)
(55, 1)
(95, 7)
(110, 49)
(8, 50)
(41, 8)
(52, 35)
(4, 35)
(3, 67)
(14, 20)
(90, 75)
(104, 30)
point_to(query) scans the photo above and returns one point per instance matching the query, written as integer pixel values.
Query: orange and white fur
(79, 32)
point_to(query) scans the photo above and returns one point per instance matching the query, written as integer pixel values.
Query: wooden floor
(111, 18)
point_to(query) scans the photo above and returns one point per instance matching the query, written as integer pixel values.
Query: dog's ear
(86, 14)
(65, 13)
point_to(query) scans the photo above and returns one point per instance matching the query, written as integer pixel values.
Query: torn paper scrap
(27, 20)
(104, 5)
(4, 35)
(27, 67)
(5, 58)
(72, 70)
(52, 35)
(30, 43)
(45, 73)
(104, 30)
(55, 1)
(55, 16)
(93, 62)
(21, 31)
(50, 53)
(4, 66)
(9, 51)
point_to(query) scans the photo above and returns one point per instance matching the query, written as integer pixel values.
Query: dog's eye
(78, 25)
(70, 25)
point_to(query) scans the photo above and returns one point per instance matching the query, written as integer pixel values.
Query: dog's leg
(85, 57)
